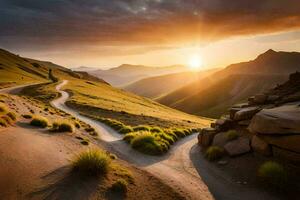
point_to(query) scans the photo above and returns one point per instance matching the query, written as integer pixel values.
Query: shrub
(141, 128)
(231, 135)
(92, 162)
(3, 108)
(214, 153)
(120, 186)
(77, 125)
(146, 143)
(12, 115)
(62, 127)
(129, 136)
(3, 123)
(155, 130)
(7, 119)
(273, 174)
(89, 129)
(125, 129)
(84, 142)
(39, 121)
(27, 116)
(179, 133)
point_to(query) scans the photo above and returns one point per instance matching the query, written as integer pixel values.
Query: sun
(195, 62)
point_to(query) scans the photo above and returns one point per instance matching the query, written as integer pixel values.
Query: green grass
(62, 127)
(92, 162)
(39, 121)
(147, 143)
(231, 135)
(12, 116)
(27, 116)
(273, 174)
(120, 186)
(214, 153)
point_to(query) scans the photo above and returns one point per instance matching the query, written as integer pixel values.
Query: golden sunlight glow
(195, 62)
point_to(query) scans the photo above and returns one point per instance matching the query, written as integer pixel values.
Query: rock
(272, 98)
(232, 112)
(220, 139)
(206, 136)
(280, 120)
(238, 146)
(224, 124)
(213, 125)
(260, 98)
(286, 155)
(246, 113)
(251, 101)
(244, 123)
(288, 142)
(260, 146)
(223, 162)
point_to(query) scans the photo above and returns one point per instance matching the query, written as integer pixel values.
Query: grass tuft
(27, 116)
(39, 121)
(214, 153)
(120, 186)
(62, 127)
(12, 116)
(231, 135)
(92, 162)
(146, 143)
(273, 173)
(3, 108)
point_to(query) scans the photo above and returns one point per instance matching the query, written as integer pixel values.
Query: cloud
(59, 23)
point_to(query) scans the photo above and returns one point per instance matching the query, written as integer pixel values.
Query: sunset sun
(195, 62)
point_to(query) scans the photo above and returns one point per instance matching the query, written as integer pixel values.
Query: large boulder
(288, 142)
(286, 155)
(246, 113)
(220, 139)
(260, 146)
(280, 120)
(206, 136)
(238, 147)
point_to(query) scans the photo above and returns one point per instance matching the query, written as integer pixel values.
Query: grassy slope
(100, 98)
(154, 87)
(212, 96)
(131, 109)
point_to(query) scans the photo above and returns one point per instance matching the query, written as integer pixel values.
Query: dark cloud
(56, 23)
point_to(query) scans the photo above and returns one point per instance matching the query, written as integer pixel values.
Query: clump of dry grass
(39, 121)
(63, 126)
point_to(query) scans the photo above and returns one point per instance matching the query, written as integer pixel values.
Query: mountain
(89, 94)
(83, 69)
(213, 95)
(154, 87)
(126, 74)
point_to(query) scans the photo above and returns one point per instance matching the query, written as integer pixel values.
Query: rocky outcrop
(280, 120)
(206, 136)
(271, 121)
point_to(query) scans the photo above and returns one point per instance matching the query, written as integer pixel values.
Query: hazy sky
(105, 33)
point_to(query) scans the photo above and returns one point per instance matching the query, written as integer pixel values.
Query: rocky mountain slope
(154, 87)
(125, 74)
(213, 95)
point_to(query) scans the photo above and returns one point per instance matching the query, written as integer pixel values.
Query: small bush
(125, 129)
(92, 162)
(27, 116)
(3, 123)
(141, 128)
(39, 121)
(3, 108)
(214, 153)
(84, 142)
(146, 143)
(179, 133)
(77, 125)
(120, 186)
(7, 119)
(273, 173)
(155, 130)
(89, 129)
(62, 127)
(129, 136)
(12, 115)
(232, 135)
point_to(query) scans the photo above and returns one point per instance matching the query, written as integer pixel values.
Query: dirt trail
(175, 168)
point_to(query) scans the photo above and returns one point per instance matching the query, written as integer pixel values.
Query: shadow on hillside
(125, 152)
(62, 184)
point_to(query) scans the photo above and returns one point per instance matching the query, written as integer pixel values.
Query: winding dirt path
(174, 169)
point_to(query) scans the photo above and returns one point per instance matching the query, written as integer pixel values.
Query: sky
(107, 33)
